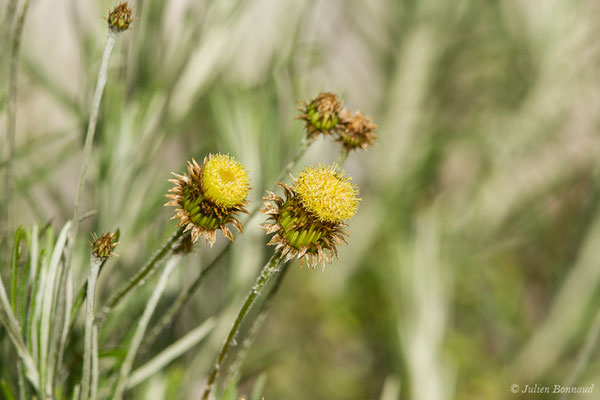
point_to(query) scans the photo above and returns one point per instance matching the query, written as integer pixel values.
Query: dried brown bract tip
(321, 114)
(120, 17)
(185, 245)
(357, 130)
(103, 246)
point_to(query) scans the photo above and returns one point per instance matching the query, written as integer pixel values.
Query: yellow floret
(327, 194)
(224, 180)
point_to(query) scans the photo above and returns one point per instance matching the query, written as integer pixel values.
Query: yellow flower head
(210, 196)
(224, 180)
(308, 223)
(327, 194)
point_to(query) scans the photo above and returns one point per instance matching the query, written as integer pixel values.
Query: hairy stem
(265, 275)
(257, 323)
(89, 136)
(138, 336)
(88, 350)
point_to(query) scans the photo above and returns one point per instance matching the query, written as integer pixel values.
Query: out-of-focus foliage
(472, 263)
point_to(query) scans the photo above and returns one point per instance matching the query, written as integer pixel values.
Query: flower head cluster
(210, 196)
(120, 17)
(309, 223)
(103, 246)
(326, 115)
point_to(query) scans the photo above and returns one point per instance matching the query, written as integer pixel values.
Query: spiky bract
(210, 197)
(103, 246)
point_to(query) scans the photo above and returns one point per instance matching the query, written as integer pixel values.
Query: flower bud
(120, 17)
(103, 246)
(321, 114)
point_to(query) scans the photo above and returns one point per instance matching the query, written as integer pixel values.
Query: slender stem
(95, 367)
(138, 279)
(343, 156)
(95, 263)
(11, 120)
(89, 136)
(257, 323)
(136, 341)
(267, 272)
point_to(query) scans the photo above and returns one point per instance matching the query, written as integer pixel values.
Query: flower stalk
(91, 130)
(95, 263)
(268, 271)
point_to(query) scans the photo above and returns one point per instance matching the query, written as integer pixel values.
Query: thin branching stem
(138, 336)
(95, 263)
(266, 274)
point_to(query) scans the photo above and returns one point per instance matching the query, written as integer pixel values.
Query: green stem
(264, 307)
(147, 270)
(95, 264)
(257, 323)
(265, 275)
(343, 156)
(138, 336)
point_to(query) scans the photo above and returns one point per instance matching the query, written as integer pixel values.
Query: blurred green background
(474, 260)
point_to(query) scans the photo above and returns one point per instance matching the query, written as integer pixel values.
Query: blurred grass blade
(170, 353)
(14, 269)
(6, 390)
